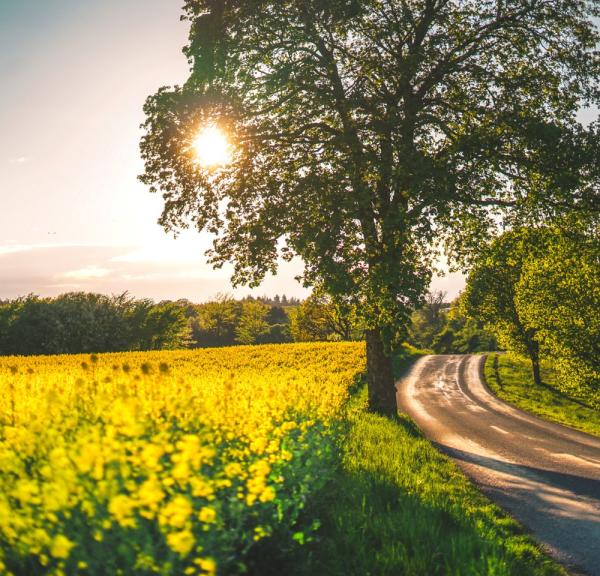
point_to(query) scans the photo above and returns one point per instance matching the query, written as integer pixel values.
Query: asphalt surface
(545, 475)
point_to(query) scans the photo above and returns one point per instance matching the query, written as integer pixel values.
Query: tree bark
(535, 366)
(380, 376)
(533, 350)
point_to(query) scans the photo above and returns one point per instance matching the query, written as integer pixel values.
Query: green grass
(512, 381)
(397, 506)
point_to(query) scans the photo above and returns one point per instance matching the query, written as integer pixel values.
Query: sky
(72, 214)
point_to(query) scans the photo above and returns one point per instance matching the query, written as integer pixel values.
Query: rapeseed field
(173, 462)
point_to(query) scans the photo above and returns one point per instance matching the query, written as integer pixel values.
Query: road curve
(546, 475)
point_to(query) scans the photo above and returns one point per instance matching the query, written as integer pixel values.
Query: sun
(212, 147)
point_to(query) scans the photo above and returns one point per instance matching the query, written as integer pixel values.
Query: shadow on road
(562, 509)
(578, 484)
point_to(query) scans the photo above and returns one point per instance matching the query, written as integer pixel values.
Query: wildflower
(121, 508)
(260, 532)
(267, 494)
(207, 565)
(150, 494)
(61, 547)
(168, 447)
(176, 513)
(207, 515)
(181, 542)
(201, 488)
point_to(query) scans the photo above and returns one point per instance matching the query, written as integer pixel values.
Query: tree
(279, 324)
(318, 318)
(217, 321)
(558, 296)
(9, 311)
(428, 320)
(161, 326)
(491, 292)
(79, 322)
(33, 327)
(461, 334)
(364, 133)
(308, 322)
(252, 325)
(90, 322)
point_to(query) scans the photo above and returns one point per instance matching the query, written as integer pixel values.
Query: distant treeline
(80, 322)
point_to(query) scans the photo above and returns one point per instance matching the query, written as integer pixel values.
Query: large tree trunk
(382, 392)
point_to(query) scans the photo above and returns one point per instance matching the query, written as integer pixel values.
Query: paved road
(546, 475)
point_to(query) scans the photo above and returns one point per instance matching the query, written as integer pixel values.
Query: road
(545, 475)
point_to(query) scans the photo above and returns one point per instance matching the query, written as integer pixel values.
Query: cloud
(40, 268)
(88, 272)
(15, 248)
(153, 271)
(163, 253)
(19, 160)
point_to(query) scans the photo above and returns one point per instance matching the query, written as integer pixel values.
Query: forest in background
(80, 322)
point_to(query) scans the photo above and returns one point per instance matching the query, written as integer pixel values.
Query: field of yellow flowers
(164, 462)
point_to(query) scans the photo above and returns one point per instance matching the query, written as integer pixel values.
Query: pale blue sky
(75, 74)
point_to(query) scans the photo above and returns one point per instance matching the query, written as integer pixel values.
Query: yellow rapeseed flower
(162, 449)
(181, 542)
(207, 565)
(176, 512)
(121, 508)
(207, 515)
(61, 547)
(267, 494)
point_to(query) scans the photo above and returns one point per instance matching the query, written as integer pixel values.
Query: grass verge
(509, 377)
(396, 505)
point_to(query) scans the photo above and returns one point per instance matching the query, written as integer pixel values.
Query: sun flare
(212, 147)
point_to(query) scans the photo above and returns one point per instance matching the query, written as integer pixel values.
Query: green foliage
(165, 328)
(445, 329)
(558, 296)
(80, 322)
(365, 132)
(28, 325)
(490, 294)
(219, 321)
(215, 321)
(509, 377)
(491, 291)
(319, 318)
(252, 326)
(463, 335)
(428, 320)
(538, 291)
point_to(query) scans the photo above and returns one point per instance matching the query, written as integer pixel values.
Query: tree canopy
(558, 296)
(538, 290)
(491, 291)
(365, 134)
